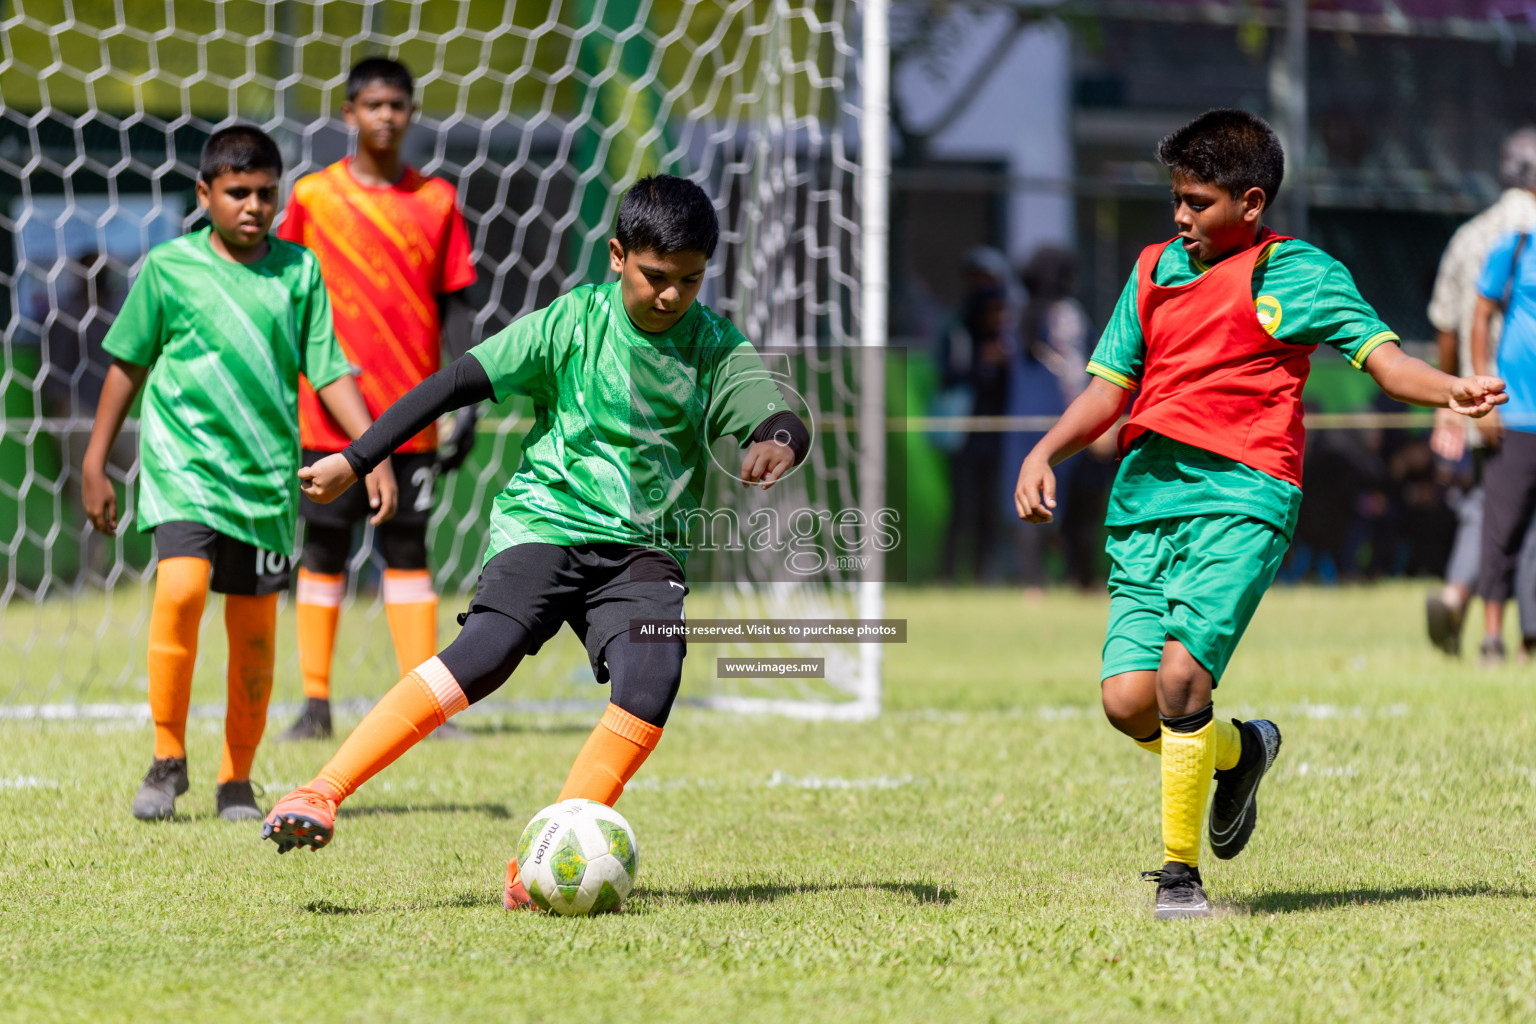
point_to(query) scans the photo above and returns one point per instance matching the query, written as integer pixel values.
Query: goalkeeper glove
(452, 453)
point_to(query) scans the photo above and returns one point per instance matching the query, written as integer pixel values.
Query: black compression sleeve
(785, 428)
(458, 323)
(459, 384)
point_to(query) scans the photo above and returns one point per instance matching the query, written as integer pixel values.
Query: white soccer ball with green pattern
(578, 857)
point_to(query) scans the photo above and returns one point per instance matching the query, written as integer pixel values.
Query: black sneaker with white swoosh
(1235, 808)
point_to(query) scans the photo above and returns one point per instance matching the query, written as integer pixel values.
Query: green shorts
(1194, 579)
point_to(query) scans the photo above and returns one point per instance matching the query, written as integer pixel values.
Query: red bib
(1213, 377)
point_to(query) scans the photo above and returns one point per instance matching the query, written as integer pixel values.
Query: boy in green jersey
(1212, 337)
(630, 382)
(221, 323)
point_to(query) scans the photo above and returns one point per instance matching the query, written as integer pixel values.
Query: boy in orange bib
(1212, 338)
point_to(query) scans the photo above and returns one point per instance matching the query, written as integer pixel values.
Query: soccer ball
(578, 857)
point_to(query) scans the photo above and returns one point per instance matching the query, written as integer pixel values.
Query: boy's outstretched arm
(344, 401)
(1090, 414)
(117, 394)
(1412, 380)
(461, 383)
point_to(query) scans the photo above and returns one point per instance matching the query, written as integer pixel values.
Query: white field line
(139, 710)
(779, 778)
(27, 782)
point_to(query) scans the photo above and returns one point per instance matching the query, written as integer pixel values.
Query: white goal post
(539, 113)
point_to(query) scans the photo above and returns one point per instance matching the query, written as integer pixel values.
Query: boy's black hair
(378, 69)
(238, 149)
(1231, 149)
(664, 214)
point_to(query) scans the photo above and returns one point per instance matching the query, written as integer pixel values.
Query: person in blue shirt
(1508, 283)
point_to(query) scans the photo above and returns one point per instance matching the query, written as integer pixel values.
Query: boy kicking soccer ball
(221, 322)
(1214, 330)
(630, 381)
(395, 254)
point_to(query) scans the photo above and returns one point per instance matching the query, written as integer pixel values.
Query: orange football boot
(515, 897)
(305, 817)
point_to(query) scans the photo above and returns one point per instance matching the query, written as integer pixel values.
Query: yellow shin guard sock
(1188, 761)
(1229, 745)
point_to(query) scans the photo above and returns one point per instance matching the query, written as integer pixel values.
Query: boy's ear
(204, 194)
(1254, 204)
(347, 116)
(615, 256)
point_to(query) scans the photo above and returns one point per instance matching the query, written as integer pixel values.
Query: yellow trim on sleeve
(1372, 343)
(1115, 377)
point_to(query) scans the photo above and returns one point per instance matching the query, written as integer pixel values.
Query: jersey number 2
(422, 480)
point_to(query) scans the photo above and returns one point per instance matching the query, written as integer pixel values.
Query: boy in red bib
(1212, 338)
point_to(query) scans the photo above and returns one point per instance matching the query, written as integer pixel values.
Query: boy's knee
(486, 653)
(1183, 684)
(1130, 703)
(645, 677)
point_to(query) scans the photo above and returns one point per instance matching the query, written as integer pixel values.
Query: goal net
(539, 113)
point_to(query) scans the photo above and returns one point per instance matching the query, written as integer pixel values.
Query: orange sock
(417, 704)
(251, 623)
(612, 754)
(410, 605)
(181, 590)
(318, 601)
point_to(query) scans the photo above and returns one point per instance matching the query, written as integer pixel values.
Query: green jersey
(1302, 296)
(623, 420)
(225, 343)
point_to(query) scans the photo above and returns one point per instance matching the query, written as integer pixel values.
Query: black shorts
(597, 588)
(415, 475)
(238, 567)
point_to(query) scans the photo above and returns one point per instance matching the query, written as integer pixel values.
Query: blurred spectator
(973, 356)
(74, 368)
(1346, 500)
(1508, 284)
(74, 363)
(1451, 311)
(1054, 328)
(1052, 370)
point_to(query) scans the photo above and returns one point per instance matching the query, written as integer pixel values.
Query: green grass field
(972, 855)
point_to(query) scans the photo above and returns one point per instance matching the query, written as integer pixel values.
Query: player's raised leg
(181, 591)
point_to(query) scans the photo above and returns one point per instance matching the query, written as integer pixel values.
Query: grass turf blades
(972, 855)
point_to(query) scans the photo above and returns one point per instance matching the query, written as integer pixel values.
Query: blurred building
(1391, 110)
